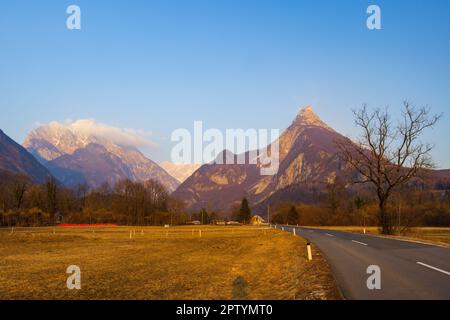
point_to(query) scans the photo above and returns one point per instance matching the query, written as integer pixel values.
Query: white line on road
(364, 244)
(330, 235)
(434, 268)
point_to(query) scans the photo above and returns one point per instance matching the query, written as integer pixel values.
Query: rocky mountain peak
(307, 117)
(307, 157)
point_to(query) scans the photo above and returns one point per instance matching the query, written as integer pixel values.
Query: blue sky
(160, 65)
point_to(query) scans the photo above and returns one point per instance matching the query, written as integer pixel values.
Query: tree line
(239, 213)
(23, 203)
(339, 206)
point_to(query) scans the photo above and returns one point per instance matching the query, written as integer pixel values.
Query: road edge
(324, 256)
(399, 238)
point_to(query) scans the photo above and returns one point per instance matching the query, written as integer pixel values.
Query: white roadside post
(294, 231)
(364, 230)
(131, 235)
(308, 248)
(282, 228)
(200, 233)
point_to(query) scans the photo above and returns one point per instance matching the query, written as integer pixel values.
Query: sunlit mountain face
(308, 157)
(77, 156)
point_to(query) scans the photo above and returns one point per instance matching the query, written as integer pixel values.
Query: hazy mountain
(180, 171)
(16, 159)
(308, 156)
(69, 153)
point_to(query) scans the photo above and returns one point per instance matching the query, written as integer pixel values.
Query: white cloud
(116, 135)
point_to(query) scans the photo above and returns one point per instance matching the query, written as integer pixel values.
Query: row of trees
(23, 203)
(413, 208)
(241, 213)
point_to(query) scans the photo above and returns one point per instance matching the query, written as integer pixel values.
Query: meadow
(153, 263)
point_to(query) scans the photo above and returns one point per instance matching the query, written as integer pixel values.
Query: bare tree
(389, 155)
(52, 196)
(19, 188)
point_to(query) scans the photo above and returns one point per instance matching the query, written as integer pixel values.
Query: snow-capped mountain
(180, 171)
(68, 151)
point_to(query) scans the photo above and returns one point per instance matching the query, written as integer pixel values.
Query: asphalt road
(408, 270)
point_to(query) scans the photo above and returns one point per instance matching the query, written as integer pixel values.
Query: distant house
(257, 220)
(195, 222)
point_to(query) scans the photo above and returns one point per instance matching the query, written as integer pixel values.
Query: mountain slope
(16, 159)
(217, 186)
(57, 147)
(308, 156)
(93, 165)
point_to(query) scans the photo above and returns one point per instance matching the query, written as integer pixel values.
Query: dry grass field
(159, 263)
(436, 235)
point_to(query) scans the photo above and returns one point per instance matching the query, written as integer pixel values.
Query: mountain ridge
(56, 146)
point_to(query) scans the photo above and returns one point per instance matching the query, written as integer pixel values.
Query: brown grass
(434, 235)
(225, 263)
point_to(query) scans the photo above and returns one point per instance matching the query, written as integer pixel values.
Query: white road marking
(330, 235)
(364, 244)
(434, 268)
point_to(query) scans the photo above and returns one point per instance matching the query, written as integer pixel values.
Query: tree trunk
(385, 221)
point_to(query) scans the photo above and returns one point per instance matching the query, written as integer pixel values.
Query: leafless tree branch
(389, 156)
